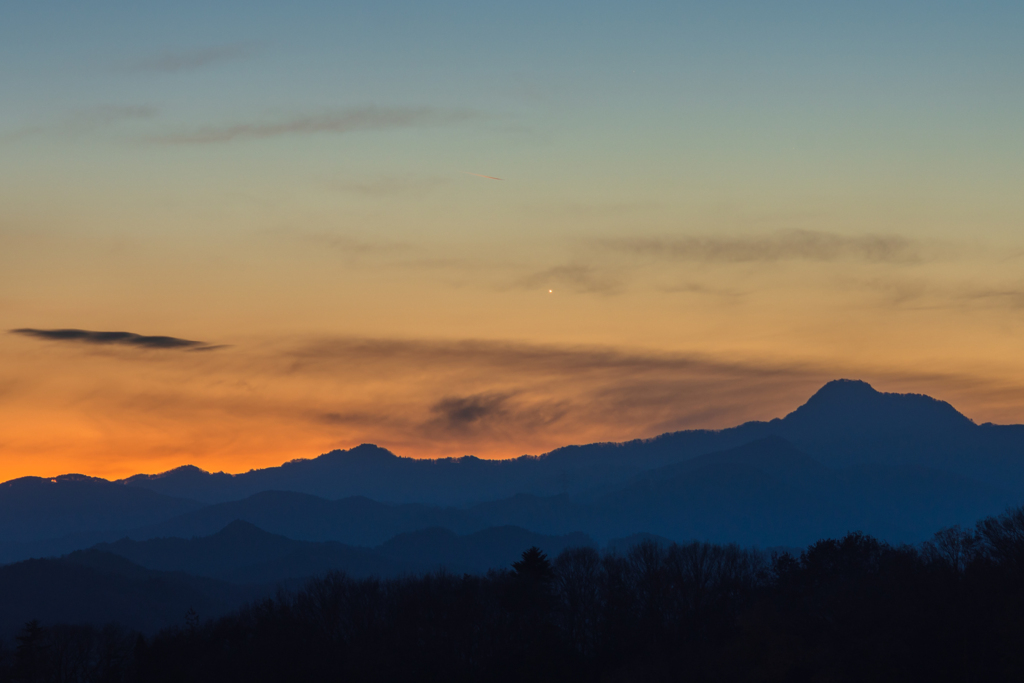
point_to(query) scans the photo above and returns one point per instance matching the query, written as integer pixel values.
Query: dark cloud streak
(116, 338)
(191, 60)
(461, 411)
(496, 414)
(339, 122)
(1012, 298)
(788, 245)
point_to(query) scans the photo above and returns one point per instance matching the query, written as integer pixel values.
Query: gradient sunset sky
(705, 211)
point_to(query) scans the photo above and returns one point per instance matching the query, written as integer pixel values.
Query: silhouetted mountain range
(897, 466)
(762, 493)
(845, 423)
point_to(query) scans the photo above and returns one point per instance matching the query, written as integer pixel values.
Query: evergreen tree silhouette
(30, 657)
(534, 568)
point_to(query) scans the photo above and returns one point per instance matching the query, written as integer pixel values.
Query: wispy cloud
(116, 338)
(697, 288)
(578, 278)
(354, 246)
(90, 120)
(1009, 297)
(456, 412)
(922, 294)
(484, 397)
(111, 113)
(391, 185)
(494, 414)
(338, 122)
(788, 245)
(190, 60)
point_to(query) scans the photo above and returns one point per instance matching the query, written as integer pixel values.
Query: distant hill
(355, 520)
(621, 546)
(244, 553)
(96, 587)
(766, 493)
(54, 516)
(845, 423)
(70, 503)
(769, 493)
(491, 548)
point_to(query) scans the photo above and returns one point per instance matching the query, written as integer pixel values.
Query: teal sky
(739, 102)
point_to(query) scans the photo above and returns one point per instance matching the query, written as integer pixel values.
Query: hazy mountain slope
(314, 559)
(770, 493)
(53, 516)
(32, 507)
(766, 492)
(733, 502)
(237, 545)
(243, 553)
(492, 548)
(909, 503)
(355, 520)
(90, 586)
(771, 454)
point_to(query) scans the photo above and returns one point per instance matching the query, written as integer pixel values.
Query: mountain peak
(364, 453)
(846, 404)
(182, 473)
(842, 394)
(845, 388)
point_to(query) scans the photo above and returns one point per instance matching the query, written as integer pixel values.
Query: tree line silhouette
(849, 609)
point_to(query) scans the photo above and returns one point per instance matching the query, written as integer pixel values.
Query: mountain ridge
(850, 457)
(766, 492)
(846, 422)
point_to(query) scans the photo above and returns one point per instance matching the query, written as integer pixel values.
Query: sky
(697, 213)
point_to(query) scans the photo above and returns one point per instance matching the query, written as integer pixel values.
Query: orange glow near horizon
(733, 208)
(113, 412)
